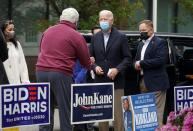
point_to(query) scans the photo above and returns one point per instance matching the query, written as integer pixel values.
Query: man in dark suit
(112, 56)
(150, 62)
(3, 57)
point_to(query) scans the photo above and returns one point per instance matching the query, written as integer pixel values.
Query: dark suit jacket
(117, 55)
(3, 57)
(153, 65)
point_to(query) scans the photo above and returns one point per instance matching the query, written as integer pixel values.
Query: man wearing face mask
(150, 63)
(112, 56)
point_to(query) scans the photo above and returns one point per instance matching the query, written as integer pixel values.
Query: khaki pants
(118, 114)
(160, 98)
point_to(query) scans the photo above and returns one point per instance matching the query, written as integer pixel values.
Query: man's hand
(112, 73)
(99, 70)
(137, 65)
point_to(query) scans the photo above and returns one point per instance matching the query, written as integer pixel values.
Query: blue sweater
(79, 73)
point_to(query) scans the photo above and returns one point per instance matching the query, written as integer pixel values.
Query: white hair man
(70, 14)
(112, 56)
(61, 45)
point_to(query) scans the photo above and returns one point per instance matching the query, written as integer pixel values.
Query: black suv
(179, 64)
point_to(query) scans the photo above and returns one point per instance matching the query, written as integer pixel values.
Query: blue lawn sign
(92, 102)
(141, 114)
(183, 97)
(24, 104)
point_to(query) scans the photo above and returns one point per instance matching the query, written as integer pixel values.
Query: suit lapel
(101, 43)
(150, 46)
(138, 54)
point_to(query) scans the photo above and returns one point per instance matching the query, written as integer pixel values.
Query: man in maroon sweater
(61, 45)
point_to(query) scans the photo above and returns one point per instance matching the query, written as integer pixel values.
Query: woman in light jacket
(15, 65)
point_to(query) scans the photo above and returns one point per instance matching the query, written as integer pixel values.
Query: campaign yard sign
(183, 97)
(92, 102)
(142, 114)
(24, 104)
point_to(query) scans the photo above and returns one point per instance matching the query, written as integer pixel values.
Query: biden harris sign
(24, 104)
(183, 97)
(92, 102)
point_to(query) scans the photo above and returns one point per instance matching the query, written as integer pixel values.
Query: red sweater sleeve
(83, 53)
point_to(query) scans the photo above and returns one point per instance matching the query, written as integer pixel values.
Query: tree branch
(55, 7)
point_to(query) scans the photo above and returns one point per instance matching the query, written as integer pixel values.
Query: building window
(31, 36)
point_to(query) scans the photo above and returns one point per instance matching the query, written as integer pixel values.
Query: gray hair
(70, 14)
(108, 13)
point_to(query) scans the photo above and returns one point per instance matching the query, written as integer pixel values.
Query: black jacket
(3, 57)
(117, 55)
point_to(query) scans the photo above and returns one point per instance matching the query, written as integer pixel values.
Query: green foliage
(176, 20)
(179, 120)
(123, 11)
(31, 15)
(43, 24)
(187, 5)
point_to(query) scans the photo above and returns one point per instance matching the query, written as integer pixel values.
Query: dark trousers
(60, 92)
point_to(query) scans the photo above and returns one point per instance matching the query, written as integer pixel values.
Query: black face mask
(144, 36)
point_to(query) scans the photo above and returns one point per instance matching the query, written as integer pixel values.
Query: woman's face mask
(10, 34)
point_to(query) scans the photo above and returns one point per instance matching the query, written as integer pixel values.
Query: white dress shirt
(15, 65)
(106, 39)
(146, 43)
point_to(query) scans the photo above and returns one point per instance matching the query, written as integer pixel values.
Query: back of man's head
(70, 14)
